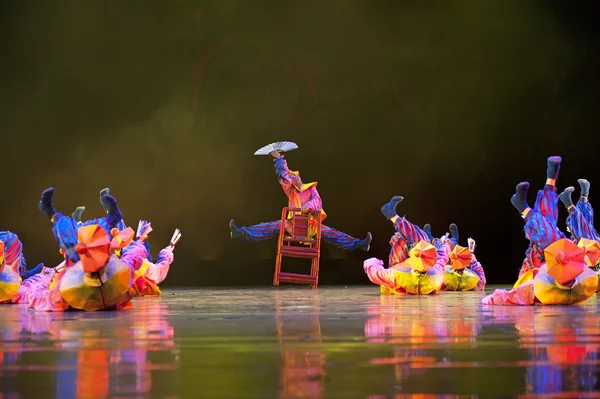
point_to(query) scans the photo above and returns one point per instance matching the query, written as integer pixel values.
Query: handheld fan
(144, 228)
(175, 239)
(280, 146)
(472, 245)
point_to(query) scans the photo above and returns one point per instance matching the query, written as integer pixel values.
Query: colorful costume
(13, 254)
(99, 281)
(562, 278)
(567, 281)
(546, 206)
(580, 222)
(303, 196)
(149, 275)
(463, 272)
(48, 293)
(422, 272)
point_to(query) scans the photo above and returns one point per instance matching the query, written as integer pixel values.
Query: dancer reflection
(302, 370)
(562, 364)
(102, 361)
(414, 328)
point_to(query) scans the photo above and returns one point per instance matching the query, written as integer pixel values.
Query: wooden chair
(296, 240)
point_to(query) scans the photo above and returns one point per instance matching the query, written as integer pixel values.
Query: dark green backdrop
(448, 103)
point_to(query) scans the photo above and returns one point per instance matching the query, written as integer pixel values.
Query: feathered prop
(175, 239)
(144, 228)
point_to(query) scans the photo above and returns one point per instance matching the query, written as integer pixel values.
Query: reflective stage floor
(301, 343)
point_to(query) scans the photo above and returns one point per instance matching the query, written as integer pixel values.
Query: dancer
(65, 228)
(305, 197)
(422, 272)
(150, 275)
(580, 222)
(546, 207)
(563, 279)
(98, 281)
(463, 271)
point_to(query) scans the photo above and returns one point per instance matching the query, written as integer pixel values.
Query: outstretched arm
(282, 171)
(476, 268)
(378, 274)
(134, 255)
(522, 295)
(158, 271)
(315, 203)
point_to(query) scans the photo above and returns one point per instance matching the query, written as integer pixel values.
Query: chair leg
(314, 271)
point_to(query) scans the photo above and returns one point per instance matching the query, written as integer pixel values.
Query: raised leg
(257, 232)
(583, 204)
(344, 241)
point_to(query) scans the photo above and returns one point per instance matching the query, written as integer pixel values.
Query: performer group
(106, 263)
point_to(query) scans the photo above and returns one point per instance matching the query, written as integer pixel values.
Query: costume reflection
(91, 366)
(302, 370)
(565, 363)
(416, 327)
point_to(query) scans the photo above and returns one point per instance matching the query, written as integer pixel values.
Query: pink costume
(45, 295)
(401, 279)
(544, 290)
(38, 282)
(149, 275)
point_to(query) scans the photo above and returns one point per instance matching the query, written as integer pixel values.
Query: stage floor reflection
(300, 343)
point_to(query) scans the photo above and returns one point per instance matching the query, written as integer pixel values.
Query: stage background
(449, 104)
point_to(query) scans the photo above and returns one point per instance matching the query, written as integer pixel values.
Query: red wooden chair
(299, 237)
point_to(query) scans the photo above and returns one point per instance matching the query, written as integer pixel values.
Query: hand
(275, 154)
(305, 209)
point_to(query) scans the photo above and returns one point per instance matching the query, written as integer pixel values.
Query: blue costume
(65, 227)
(541, 230)
(580, 221)
(106, 204)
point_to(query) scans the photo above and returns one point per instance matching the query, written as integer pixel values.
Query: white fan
(280, 146)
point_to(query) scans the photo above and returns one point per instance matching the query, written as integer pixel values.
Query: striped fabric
(13, 251)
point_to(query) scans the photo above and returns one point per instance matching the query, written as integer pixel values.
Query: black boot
(453, 234)
(103, 193)
(365, 244)
(427, 230)
(584, 186)
(77, 214)
(553, 170)
(565, 197)
(389, 209)
(114, 213)
(45, 205)
(519, 199)
(234, 230)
